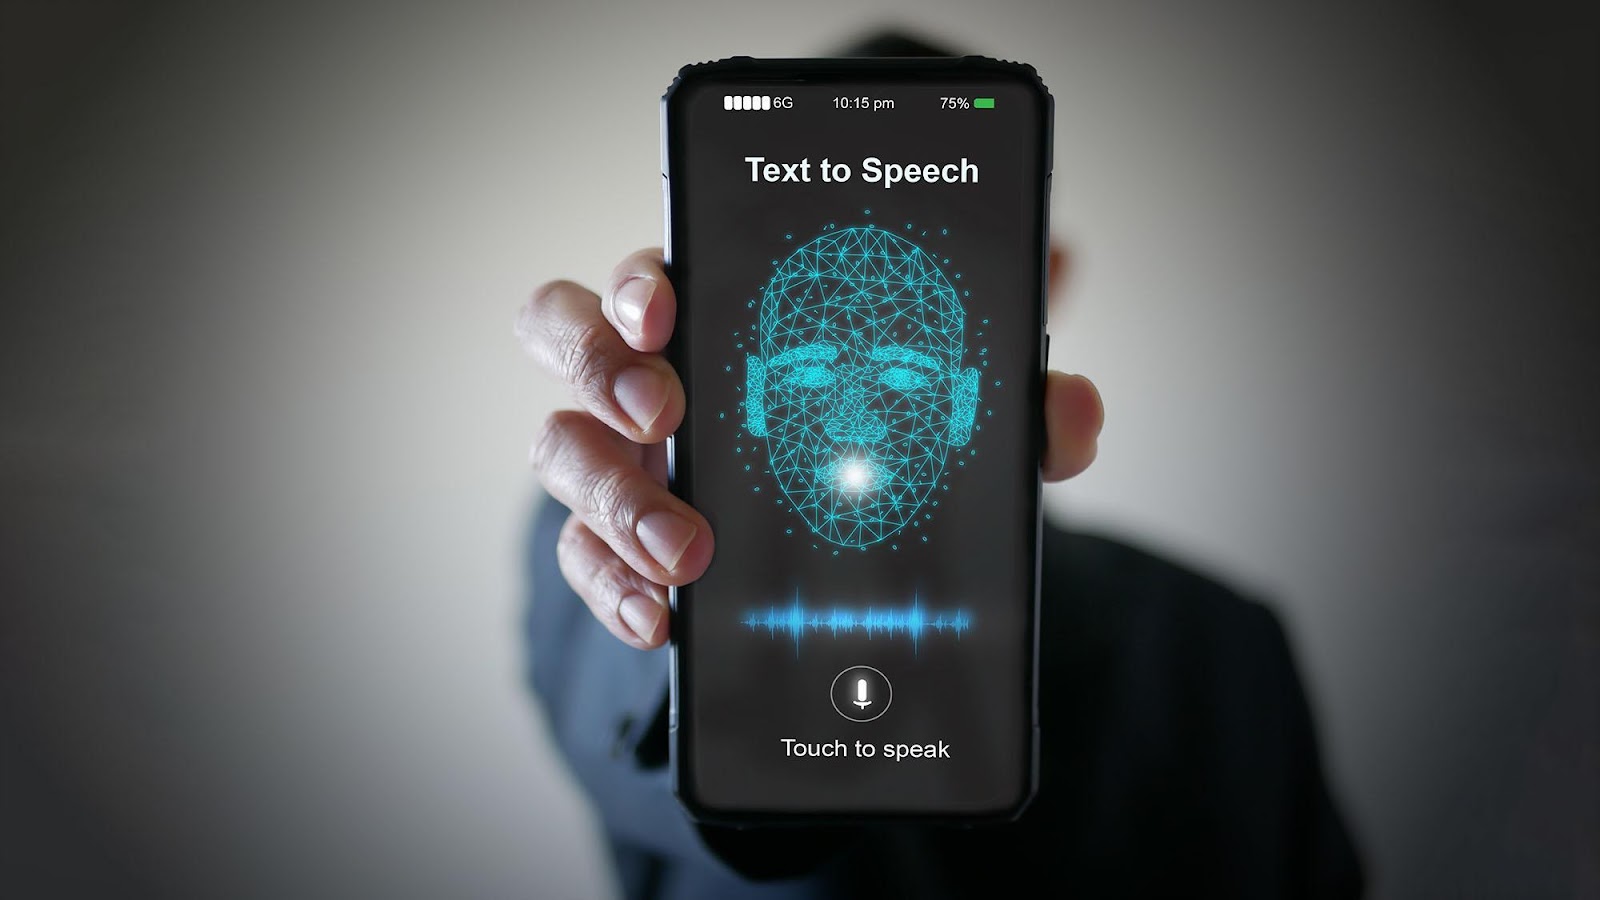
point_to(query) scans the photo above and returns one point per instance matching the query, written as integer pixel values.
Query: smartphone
(859, 253)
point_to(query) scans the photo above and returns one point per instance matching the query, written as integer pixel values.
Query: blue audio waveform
(796, 620)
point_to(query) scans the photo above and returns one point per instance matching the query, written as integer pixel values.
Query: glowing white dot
(854, 475)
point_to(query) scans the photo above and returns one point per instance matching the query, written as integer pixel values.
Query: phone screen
(859, 266)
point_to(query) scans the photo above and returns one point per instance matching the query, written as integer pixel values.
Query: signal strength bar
(746, 102)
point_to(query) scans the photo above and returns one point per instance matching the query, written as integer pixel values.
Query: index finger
(639, 301)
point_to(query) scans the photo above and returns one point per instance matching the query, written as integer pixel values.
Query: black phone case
(824, 71)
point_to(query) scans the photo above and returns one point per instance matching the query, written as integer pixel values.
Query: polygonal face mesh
(862, 339)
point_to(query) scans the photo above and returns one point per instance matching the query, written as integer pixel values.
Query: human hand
(628, 537)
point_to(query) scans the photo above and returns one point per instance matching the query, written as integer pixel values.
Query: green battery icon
(983, 103)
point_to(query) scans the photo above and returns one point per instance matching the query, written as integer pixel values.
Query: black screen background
(744, 691)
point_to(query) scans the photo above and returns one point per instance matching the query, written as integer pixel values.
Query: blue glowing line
(797, 619)
(819, 352)
(891, 353)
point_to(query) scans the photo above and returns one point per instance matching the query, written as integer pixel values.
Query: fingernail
(665, 536)
(642, 394)
(642, 615)
(630, 301)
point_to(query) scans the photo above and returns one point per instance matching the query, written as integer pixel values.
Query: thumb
(1073, 417)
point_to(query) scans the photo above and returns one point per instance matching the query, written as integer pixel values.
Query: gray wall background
(262, 451)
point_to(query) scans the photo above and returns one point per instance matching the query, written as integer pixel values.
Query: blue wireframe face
(858, 388)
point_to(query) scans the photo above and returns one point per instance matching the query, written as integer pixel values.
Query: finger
(625, 602)
(636, 393)
(1073, 416)
(640, 302)
(598, 476)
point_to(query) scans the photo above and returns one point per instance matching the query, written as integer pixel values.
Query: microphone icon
(861, 694)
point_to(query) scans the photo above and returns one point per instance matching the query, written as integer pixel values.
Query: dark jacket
(1179, 756)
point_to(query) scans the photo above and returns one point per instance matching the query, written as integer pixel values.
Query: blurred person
(1178, 754)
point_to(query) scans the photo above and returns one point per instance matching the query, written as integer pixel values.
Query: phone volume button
(666, 217)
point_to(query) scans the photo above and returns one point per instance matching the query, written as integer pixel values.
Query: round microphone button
(861, 693)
